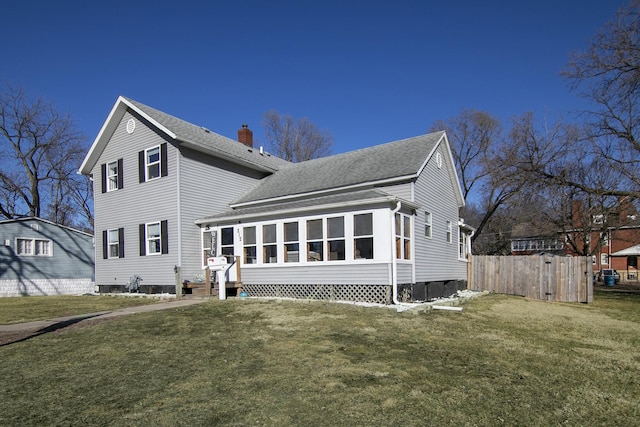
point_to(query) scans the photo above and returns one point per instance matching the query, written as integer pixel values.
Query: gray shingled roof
(208, 141)
(360, 197)
(379, 163)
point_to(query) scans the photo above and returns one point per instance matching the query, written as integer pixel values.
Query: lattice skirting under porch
(380, 294)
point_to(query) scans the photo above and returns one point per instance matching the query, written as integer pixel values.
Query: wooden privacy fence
(543, 277)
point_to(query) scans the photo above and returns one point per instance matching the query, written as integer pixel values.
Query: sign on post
(217, 262)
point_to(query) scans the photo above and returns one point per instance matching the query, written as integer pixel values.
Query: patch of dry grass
(27, 309)
(503, 360)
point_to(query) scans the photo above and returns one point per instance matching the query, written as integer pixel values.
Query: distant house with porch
(379, 224)
(612, 238)
(39, 257)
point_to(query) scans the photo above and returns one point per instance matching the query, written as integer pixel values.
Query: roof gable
(388, 162)
(31, 219)
(184, 133)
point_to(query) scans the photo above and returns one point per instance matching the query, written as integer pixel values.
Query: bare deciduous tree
(41, 150)
(608, 73)
(477, 146)
(295, 140)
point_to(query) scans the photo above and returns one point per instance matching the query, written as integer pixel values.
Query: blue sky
(368, 71)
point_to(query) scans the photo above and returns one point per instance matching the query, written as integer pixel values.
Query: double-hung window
(449, 232)
(315, 238)
(335, 238)
(363, 236)
(403, 236)
(113, 243)
(152, 163)
(33, 247)
(249, 245)
(427, 224)
(269, 244)
(154, 238)
(291, 242)
(112, 177)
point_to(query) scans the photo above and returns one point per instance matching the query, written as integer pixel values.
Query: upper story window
(33, 247)
(112, 176)
(449, 232)
(152, 163)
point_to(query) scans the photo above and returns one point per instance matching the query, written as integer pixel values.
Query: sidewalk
(61, 322)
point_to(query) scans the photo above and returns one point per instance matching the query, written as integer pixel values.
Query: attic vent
(439, 160)
(131, 126)
(205, 129)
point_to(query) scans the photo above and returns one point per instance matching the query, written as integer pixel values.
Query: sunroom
(356, 246)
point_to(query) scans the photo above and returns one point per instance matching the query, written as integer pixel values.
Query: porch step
(200, 288)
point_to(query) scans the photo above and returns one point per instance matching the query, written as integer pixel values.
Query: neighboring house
(378, 224)
(39, 257)
(611, 238)
(529, 238)
(625, 261)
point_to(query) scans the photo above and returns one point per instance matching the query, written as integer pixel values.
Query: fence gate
(543, 277)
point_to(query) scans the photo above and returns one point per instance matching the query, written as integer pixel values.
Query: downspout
(394, 262)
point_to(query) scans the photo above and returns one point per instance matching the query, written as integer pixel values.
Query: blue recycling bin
(609, 280)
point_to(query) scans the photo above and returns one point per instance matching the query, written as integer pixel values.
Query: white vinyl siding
(435, 193)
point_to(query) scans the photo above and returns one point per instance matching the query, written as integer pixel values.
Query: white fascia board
(108, 127)
(321, 192)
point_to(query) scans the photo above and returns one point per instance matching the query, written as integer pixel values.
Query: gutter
(394, 262)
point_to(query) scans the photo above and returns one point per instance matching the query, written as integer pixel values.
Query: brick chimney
(245, 136)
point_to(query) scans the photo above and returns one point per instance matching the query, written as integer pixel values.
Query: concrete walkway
(61, 322)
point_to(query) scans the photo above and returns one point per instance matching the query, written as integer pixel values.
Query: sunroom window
(363, 236)
(315, 237)
(249, 245)
(291, 242)
(269, 247)
(335, 238)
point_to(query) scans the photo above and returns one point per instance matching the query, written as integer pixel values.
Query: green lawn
(501, 361)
